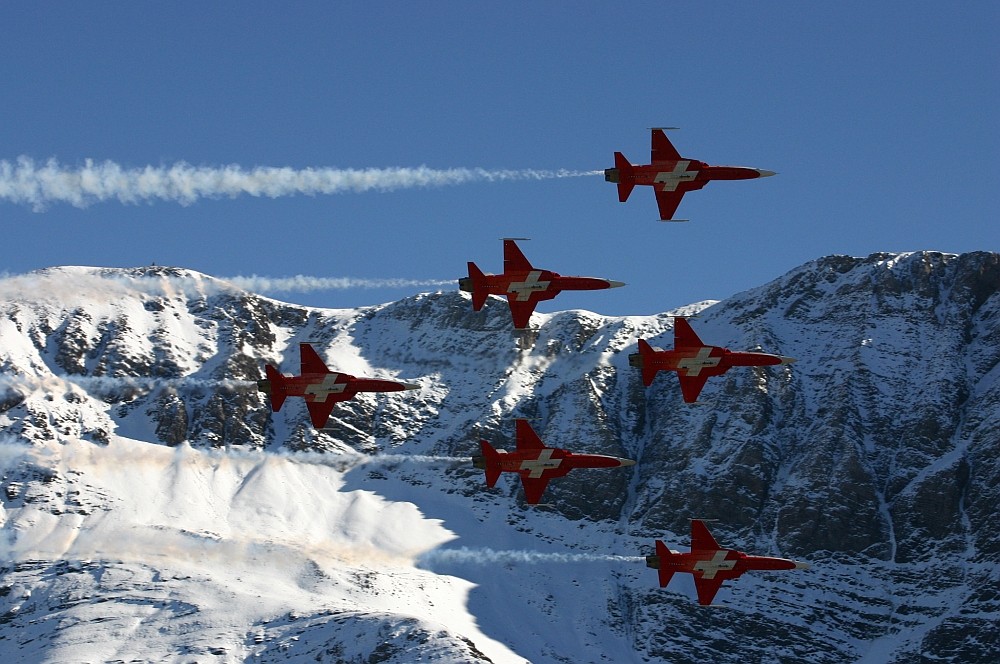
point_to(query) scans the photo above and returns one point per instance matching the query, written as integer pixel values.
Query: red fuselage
(664, 173)
(523, 284)
(710, 564)
(535, 463)
(671, 175)
(550, 462)
(318, 387)
(538, 284)
(708, 360)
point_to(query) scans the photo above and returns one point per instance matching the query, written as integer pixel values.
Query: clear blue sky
(880, 117)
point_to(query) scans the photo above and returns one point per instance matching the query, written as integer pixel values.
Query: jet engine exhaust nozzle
(612, 175)
(653, 562)
(264, 386)
(479, 461)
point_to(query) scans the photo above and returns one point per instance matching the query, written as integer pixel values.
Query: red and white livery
(671, 175)
(711, 564)
(320, 387)
(523, 285)
(535, 463)
(694, 361)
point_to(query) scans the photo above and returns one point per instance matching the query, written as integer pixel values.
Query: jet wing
(701, 538)
(707, 588)
(691, 385)
(685, 336)
(533, 488)
(661, 148)
(668, 201)
(319, 411)
(526, 437)
(311, 362)
(513, 259)
(521, 311)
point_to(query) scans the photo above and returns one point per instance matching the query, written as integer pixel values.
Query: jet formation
(523, 285)
(535, 463)
(671, 175)
(694, 361)
(710, 564)
(320, 387)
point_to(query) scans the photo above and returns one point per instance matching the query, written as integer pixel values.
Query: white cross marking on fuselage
(702, 360)
(529, 285)
(542, 463)
(327, 387)
(718, 563)
(670, 179)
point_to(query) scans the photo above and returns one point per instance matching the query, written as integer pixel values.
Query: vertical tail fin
(478, 280)
(665, 570)
(492, 463)
(277, 391)
(626, 182)
(648, 368)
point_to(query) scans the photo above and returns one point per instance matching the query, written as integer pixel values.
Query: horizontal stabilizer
(665, 570)
(649, 369)
(478, 280)
(277, 391)
(492, 463)
(626, 180)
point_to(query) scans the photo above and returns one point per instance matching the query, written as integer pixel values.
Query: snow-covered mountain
(154, 509)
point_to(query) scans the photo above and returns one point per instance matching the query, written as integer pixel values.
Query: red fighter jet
(671, 175)
(693, 361)
(535, 463)
(320, 387)
(523, 285)
(710, 563)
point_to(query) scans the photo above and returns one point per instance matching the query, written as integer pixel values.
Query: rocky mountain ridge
(874, 457)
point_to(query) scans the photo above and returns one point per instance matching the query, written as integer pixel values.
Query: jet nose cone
(410, 386)
(615, 284)
(765, 174)
(787, 360)
(799, 565)
(626, 462)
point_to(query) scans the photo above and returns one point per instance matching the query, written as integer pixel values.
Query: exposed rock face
(875, 456)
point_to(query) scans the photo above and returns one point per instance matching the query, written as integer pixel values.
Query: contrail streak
(485, 556)
(346, 461)
(40, 185)
(110, 284)
(98, 383)
(304, 284)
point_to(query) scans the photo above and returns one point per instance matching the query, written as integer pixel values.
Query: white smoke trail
(27, 183)
(486, 556)
(103, 383)
(107, 284)
(304, 284)
(346, 461)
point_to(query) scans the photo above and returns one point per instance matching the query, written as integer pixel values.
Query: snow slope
(148, 492)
